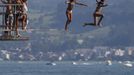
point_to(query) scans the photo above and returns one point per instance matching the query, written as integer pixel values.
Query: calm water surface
(63, 68)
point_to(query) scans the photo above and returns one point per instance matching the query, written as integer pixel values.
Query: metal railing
(3, 8)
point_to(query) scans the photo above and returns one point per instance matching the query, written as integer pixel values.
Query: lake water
(63, 68)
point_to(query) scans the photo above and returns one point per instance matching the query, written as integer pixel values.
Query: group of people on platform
(15, 15)
(98, 15)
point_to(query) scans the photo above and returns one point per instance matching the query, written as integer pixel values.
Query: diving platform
(3, 26)
(13, 38)
(8, 25)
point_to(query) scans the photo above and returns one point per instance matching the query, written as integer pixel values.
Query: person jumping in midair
(69, 9)
(98, 15)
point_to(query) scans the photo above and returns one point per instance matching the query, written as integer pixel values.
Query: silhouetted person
(98, 15)
(9, 14)
(8, 18)
(18, 12)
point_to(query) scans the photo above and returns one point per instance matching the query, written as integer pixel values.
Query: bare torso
(99, 8)
(70, 6)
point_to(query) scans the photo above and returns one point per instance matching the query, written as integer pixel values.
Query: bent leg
(101, 17)
(95, 19)
(24, 20)
(16, 26)
(92, 24)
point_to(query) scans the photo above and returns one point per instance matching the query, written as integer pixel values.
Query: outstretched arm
(104, 5)
(81, 4)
